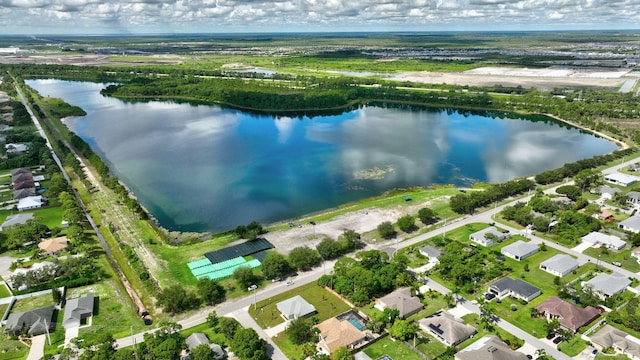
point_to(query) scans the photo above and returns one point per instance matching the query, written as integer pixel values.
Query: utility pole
(46, 327)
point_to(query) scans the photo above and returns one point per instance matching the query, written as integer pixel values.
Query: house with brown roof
(402, 300)
(334, 333)
(570, 316)
(611, 338)
(52, 246)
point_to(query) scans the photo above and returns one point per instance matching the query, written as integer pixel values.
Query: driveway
(70, 333)
(581, 247)
(37, 347)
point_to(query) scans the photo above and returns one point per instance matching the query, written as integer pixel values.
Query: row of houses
(26, 189)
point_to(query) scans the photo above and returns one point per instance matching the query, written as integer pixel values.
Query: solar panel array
(221, 264)
(246, 248)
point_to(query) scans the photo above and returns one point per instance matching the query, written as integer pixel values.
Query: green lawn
(114, 312)
(13, 349)
(574, 346)
(32, 303)
(291, 350)
(395, 349)
(4, 292)
(327, 305)
(623, 257)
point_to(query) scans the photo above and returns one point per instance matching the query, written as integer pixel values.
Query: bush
(386, 230)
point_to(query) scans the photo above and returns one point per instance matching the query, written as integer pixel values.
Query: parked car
(558, 340)
(275, 279)
(551, 336)
(594, 353)
(617, 264)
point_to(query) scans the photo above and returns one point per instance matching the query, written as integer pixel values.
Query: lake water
(209, 168)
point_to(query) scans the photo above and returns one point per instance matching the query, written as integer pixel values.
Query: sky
(227, 16)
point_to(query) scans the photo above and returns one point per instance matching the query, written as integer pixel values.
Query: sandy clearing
(362, 221)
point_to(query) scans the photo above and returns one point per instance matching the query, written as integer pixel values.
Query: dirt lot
(544, 79)
(363, 221)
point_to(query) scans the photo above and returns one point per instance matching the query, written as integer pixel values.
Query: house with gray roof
(605, 285)
(598, 239)
(611, 338)
(633, 197)
(559, 265)
(487, 236)
(514, 287)
(606, 192)
(23, 193)
(32, 322)
(402, 300)
(295, 307)
(430, 252)
(77, 309)
(18, 219)
(446, 328)
(520, 250)
(631, 224)
(621, 179)
(489, 347)
(196, 339)
(636, 253)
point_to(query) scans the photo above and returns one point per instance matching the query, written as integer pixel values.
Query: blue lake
(210, 168)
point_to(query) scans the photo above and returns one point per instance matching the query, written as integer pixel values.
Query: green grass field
(4, 292)
(13, 349)
(395, 349)
(623, 257)
(327, 305)
(33, 302)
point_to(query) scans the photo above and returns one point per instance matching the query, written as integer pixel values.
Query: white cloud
(93, 16)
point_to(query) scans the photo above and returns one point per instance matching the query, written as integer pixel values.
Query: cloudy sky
(184, 16)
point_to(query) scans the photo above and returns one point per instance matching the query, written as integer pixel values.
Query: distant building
(446, 328)
(621, 179)
(570, 316)
(33, 322)
(18, 219)
(77, 309)
(488, 236)
(334, 333)
(631, 224)
(295, 307)
(196, 339)
(514, 287)
(598, 239)
(489, 347)
(30, 202)
(520, 250)
(402, 300)
(52, 246)
(605, 285)
(606, 192)
(636, 253)
(16, 148)
(559, 265)
(611, 338)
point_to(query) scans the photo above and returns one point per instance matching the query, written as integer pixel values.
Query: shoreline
(623, 145)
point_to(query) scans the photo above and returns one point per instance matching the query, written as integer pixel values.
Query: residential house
(606, 192)
(18, 219)
(446, 328)
(621, 179)
(633, 197)
(605, 285)
(636, 253)
(520, 250)
(30, 202)
(611, 338)
(32, 322)
(514, 287)
(334, 333)
(559, 265)
(18, 171)
(489, 347)
(23, 193)
(631, 224)
(77, 309)
(23, 184)
(634, 167)
(196, 339)
(605, 215)
(295, 307)
(21, 177)
(487, 236)
(570, 316)
(402, 300)
(52, 246)
(598, 239)
(16, 148)
(432, 253)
